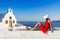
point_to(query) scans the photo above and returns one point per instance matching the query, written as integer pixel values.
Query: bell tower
(10, 10)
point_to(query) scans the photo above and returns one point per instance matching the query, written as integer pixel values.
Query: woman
(43, 28)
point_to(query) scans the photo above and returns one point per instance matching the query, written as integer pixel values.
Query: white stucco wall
(29, 35)
(3, 26)
(6, 17)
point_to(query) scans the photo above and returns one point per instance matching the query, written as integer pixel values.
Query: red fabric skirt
(43, 28)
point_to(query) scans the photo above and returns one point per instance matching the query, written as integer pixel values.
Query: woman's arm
(50, 26)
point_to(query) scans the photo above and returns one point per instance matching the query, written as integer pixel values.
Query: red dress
(44, 28)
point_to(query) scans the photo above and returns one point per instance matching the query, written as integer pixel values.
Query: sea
(55, 24)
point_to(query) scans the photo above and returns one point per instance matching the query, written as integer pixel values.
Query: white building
(9, 16)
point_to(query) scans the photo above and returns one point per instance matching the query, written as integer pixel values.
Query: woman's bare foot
(32, 29)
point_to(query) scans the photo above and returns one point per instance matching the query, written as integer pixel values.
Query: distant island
(56, 21)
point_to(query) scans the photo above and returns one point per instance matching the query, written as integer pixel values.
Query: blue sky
(32, 10)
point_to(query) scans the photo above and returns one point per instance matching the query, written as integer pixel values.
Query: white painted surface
(29, 35)
(3, 25)
(9, 14)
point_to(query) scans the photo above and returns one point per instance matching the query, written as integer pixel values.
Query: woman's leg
(31, 28)
(34, 29)
(38, 24)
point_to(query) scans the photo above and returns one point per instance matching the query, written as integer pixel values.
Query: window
(10, 10)
(13, 21)
(10, 17)
(6, 22)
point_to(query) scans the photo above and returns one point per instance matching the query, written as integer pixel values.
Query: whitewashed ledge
(29, 35)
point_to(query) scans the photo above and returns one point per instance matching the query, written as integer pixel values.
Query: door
(10, 21)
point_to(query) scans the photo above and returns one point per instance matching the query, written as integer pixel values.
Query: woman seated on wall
(43, 28)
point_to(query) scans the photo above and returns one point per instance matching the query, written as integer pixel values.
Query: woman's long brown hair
(47, 19)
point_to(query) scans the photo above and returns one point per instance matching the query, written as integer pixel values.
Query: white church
(5, 22)
(9, 20)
